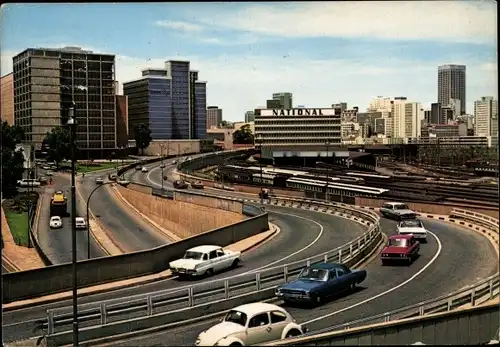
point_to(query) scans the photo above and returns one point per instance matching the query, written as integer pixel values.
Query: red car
(400, 248)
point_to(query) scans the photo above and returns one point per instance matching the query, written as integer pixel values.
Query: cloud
(455, 21)
(179, 26)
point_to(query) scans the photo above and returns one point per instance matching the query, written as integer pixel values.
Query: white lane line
(387, 291)
(148, 177)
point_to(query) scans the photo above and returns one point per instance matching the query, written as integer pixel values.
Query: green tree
(142, 135)
(243, 135)
(58, 142)
(12, 160)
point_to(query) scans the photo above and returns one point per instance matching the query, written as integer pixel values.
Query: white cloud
(457, 21)
(180, 26)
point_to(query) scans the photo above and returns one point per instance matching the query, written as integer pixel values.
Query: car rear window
(398, 242)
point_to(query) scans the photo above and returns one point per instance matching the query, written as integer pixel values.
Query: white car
(414, 227)
(49, 173)
(251, 324)
(397, 210)
(80, 223)
(144, 169)
(204, 260)
(55, 222)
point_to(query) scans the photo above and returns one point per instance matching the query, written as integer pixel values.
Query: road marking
(387, 291)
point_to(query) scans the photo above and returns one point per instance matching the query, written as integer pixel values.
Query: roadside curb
(10, 264)
(266, 239)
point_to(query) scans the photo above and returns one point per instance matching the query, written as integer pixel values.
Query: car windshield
(411, 223)
(193, 255)
(56, 219)
(401, 207)
(314, 274)
(237, 317)
(398, 242)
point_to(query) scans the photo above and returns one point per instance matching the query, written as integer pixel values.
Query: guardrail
(473, 295)
(477, 218)
(192, 301)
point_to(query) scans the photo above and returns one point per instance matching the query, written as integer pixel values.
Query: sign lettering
(298, 112)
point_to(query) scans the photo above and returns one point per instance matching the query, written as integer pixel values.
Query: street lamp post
(162, 146)
(259, 141)
(327, 144)
(72, 124)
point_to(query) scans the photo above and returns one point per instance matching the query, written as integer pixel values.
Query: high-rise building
(121, 121)
(7, 99)
(249, 116)
(407, 119)
(486, 115)
(214, 116)
(285, 100)
(427, 116)
(380, 104)
(342, 106)
(171, 101)
(451, 85)
(270, 104)
(47, 81)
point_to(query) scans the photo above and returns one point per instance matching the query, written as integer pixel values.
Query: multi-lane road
(452, 259)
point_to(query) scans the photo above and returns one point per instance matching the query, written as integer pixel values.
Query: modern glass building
(171, 101)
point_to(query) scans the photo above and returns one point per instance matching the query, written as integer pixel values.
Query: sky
(322, 52)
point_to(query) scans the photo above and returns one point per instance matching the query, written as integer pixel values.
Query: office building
(407, 117)
(368, 119)
(214, 117)
(486, 116)
(273, 104)
(249, 116)
(285, 100)
(427, 116)
(47, 81)
(444, 130)
(121, 121)
(297, 130)
(350, 115)
(170, 101)
(452, 85)
(342, 106)
(380, 104)
(7, 99)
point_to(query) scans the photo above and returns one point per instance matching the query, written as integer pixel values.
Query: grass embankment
(16, 213)
(81, 168)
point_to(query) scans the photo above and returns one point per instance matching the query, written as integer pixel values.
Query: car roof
(79, 218)
(55, 217)
(395, 203)
(204, 249)
(326, 266)
(258, 307)
(402, 236)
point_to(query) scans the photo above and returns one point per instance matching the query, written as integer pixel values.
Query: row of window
(311, 141)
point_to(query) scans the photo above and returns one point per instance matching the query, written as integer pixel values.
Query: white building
(455, 106)
(380, 104)
(407, 119)
(486, 116)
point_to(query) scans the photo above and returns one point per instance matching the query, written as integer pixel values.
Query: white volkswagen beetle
(251, 324)
(55, 222)
(413, 226)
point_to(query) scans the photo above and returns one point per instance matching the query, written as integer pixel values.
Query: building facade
(214, 117)
(486, 116)
(278, 130)
(380, 104)
(452, 85)
(249, 116)
(407, 117)
(170, 101)
(7, 99)
(444, 130)
(285, 100)
(47, 81)
(121, 121)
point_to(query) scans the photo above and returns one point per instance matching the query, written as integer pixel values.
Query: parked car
(180, 184)
(400, 248)
(414, 227)
(28, 182)
(80, 223)
(144, 169)
(99, 180)
(197, 185)
(55, 222)
(251, 324)
(320, 281)
(397, 211)
(204, 260)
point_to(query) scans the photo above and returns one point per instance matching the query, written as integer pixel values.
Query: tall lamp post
(327, 144)
(72, 125)
(259, 142)
(162, 147)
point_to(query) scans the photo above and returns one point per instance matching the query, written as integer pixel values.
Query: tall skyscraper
(7, 104)
(214, 116)
(486, 114)
(451, 85)
(171, 101)
(285, 100)
(47, 81)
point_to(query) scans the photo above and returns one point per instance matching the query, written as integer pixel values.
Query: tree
(12, 160)
(58, 142)
(142, 135)
(243, 135)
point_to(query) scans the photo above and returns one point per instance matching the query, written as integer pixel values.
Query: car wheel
(235, 263)
(209, 273)
(292, 333)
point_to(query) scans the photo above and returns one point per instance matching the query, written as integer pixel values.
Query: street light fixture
(327, 196)
(259, 141)
(72, 123)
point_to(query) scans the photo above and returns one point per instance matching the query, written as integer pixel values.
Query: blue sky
(321, 52)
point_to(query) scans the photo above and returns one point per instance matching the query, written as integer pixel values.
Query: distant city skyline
(247, 51)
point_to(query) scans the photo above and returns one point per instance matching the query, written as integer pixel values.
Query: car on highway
(144, 169)
(28, 182)
(80, 223)
(249, 325)
(162, 166)
(174, 162)
(55, 222)
(122, 182)
(414, 227)
(397, 211)
(49, 173)
(180, 184)
(46, 167)
(400, 248)
(113, 177)
(319, 282)
(99, 180)
(204, 260)
(138, 167)
(197, 185)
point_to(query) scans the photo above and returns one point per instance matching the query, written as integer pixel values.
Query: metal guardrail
(483, 219)
(109, 311)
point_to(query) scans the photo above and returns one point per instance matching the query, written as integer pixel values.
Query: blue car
(320, 281)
